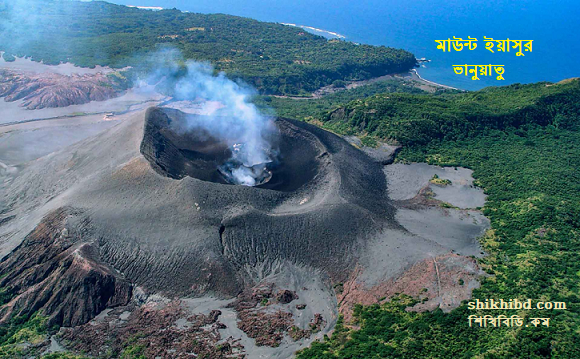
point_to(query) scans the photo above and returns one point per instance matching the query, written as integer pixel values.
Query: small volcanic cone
(155, 207)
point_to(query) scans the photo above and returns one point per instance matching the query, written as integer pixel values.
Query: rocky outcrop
(155, 330)
(44, 90)
(56, 271)
(285, 296)
(264, 315)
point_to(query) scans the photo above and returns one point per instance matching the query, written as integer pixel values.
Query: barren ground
(157, 232)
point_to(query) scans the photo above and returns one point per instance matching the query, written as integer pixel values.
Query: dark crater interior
(176, 149)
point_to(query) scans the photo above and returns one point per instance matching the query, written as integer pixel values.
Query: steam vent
(146, 208)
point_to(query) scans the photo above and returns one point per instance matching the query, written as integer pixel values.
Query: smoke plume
(228, 113)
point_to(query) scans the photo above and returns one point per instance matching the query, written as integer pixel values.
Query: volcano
(322, 198)
(145, 208)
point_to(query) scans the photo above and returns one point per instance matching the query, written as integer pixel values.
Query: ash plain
(67, 157)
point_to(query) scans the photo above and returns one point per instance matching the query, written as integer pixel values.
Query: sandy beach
(316, 31)
(416, 76)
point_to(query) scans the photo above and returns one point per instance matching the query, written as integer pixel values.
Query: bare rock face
(266, 317)
(57, 270)
(153, 328)
(285, 296)
(54, 90)
(266, 328)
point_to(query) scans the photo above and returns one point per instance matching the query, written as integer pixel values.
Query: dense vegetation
(418, 120)
(275, 59)
(21, 330)
(309, 109)
(523, 143)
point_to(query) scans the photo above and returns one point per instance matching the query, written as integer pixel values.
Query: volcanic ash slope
(127, 209)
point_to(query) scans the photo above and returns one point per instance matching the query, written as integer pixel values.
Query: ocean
(415, 25)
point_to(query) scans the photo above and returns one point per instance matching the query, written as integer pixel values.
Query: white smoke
(228, 113)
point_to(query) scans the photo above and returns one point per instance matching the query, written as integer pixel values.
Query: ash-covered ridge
(323, 197)
(161, 214)
(144, 204)
(49, 90)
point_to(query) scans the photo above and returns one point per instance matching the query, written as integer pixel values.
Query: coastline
(329, 35)
(316, 31)
(412, 74)
(415, 74)
(152, 8)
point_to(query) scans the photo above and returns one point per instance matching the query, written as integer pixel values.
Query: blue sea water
(414, 25)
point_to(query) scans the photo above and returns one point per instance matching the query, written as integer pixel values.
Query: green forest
(523, 144)
(311, 108)
(273, 58)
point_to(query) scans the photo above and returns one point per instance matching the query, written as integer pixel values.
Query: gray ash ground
(145, 211)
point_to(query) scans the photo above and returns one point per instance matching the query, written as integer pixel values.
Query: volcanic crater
(176, 151)
(167, 219)
(324, 196)
(142, 210)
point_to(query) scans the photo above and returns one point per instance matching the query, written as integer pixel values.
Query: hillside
(274, 58)
(412, 119)
(522, 142)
